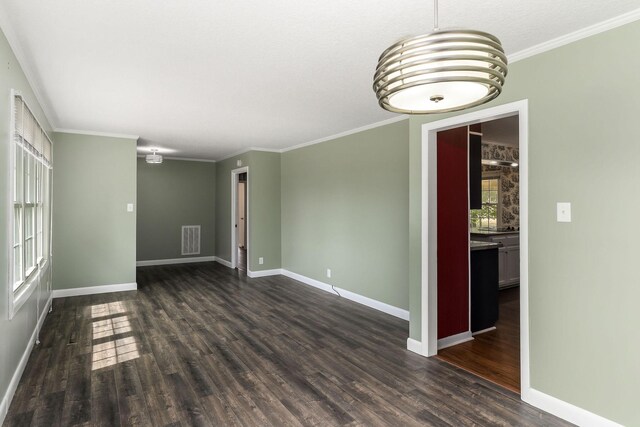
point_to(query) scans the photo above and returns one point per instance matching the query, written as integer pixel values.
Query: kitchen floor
(495, 355)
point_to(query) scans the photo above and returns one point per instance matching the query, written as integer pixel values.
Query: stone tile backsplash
(509, 180)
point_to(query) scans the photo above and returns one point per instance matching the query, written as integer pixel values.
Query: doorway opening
(511, 305)
(478, 250)
(240, 218)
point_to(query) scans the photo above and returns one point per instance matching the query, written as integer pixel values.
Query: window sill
(17, 286)
(30, 272)
(24, 289)
(22, 295)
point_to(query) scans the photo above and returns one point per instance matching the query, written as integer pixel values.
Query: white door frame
(429, 240)
(235, 177)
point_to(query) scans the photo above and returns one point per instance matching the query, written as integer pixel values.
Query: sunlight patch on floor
(107, 309)
(114, 323)
(110, 327)
(112, 352)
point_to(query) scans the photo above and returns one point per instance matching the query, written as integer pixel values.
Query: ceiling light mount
(154, 157)
(439, 72)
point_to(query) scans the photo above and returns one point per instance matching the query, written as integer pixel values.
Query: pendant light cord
(435, 15)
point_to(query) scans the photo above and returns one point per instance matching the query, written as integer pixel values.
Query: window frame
(24, 195)
(497, 176)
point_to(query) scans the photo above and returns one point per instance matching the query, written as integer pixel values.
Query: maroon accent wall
(453, 232)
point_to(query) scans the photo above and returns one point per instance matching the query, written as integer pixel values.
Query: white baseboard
(171, 261)
(381, 306)
(44, 312)
(264, 273)
(414, 346)
(482, 331)
(91, 290)
(454, 340)
(17, 374)
(536, 398)
(565, 410)
(223, 262)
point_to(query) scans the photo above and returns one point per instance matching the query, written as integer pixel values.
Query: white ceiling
(208, 78)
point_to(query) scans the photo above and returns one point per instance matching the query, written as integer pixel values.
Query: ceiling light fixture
(154, 157)
(443, 71)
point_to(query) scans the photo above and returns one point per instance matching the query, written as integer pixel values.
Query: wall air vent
(190, 239)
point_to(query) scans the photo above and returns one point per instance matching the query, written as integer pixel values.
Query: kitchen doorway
(240, 218)
(430, 344)
(478, 250)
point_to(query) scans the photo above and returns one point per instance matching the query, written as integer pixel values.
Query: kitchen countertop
(481, 246)
(492, 232)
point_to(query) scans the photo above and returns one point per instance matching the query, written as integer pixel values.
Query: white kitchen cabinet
(502, 267)
(508, 257)
(513, 265)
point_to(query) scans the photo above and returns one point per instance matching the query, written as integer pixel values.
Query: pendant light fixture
(154, 157)
(439, 72)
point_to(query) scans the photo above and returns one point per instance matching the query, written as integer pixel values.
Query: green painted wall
(15, 333)
(94, 237)
(170, 195)
(584, 104)
(345, 205)
(264, 208)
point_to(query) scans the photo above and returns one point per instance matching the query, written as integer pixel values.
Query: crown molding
(318, 141)
(94, 133)
(189, 159)
(266, 150)
(186, 159)
(583, 33)
(18, 52)
(246, 150)
(347, 133)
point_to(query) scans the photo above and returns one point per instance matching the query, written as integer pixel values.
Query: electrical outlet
(129, 207)
(260, 260)
(328, 272)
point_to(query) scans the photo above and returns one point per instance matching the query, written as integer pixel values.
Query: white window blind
(31, 163)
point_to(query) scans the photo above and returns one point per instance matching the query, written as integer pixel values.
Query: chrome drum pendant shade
(443, 71)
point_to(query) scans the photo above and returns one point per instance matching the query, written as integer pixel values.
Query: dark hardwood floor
(203, 345)
(494, 355)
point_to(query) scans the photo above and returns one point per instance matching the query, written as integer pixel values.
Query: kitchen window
(488, 217)
(31, 195)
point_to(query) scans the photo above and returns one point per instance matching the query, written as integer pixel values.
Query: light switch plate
(564, 212)
(129, 207)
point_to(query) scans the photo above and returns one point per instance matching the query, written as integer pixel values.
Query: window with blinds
(31, 160)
